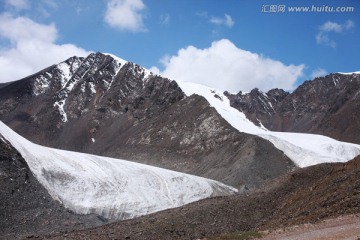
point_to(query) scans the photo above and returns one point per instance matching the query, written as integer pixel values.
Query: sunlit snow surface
(349, 73)
(304, 149)
(112, 188)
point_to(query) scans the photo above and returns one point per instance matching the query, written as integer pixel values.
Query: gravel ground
(344, 227)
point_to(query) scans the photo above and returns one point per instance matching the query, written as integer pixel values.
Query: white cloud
(331, 27)
(226, 21)
(349, 24)
(125, 15)
(165, 19)
(32, 47)
(226, 67)
(318, 73)
(155, 70)
(18, 4)
(322, 37)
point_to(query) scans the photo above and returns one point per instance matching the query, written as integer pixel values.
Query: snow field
(112, 188)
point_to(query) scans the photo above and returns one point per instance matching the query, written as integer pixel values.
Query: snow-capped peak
(147, 73)
(120, 60)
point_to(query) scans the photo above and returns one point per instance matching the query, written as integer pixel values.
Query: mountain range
(326, 105)
(104, 105)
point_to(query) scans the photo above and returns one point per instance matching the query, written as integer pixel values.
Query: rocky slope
(105, 105)
(334, 194)
(26, 208)
(327, 105)
(305, 195)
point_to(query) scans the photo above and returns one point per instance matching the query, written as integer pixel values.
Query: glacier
(302, 148)
(113, 188)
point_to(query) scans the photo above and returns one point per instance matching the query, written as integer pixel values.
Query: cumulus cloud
(32, 47)
(18, 4)
(126, 15)
(226, 21)
(318, 73)
(323, 36)
(227, 67)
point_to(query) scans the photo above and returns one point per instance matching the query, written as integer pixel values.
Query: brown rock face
(328, 105)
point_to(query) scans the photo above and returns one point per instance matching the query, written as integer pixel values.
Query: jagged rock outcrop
(327, 105)
(258, 106)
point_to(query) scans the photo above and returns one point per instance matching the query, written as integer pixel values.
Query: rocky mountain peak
(257, 105)
(325, 105)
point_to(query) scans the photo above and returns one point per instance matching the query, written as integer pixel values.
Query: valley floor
(344, 227)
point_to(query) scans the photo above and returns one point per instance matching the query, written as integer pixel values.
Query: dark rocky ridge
(26, 208)
(327, 105)
(258, 106)
(128, 113)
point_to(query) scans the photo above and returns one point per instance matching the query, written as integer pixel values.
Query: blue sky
(232, 45)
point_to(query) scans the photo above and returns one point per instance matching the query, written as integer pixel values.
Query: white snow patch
(68, 82)
(41, 84)
(303, 149)
(349, 73)
(120, 63)
(82, 87)
(147, 73)
(92, 87)
(71, 85)
(76, 64)
(335, 81)
(261, 125)
(66, 75)
(2, 139)
(60, 105)
(93, 140)
(112, 188)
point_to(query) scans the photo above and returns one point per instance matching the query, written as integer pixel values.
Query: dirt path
(345, 227)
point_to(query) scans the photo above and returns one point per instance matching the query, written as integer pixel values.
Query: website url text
(306, 9)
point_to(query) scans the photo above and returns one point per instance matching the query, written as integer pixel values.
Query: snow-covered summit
(112, 188)
(116, 58)
(349, 73)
